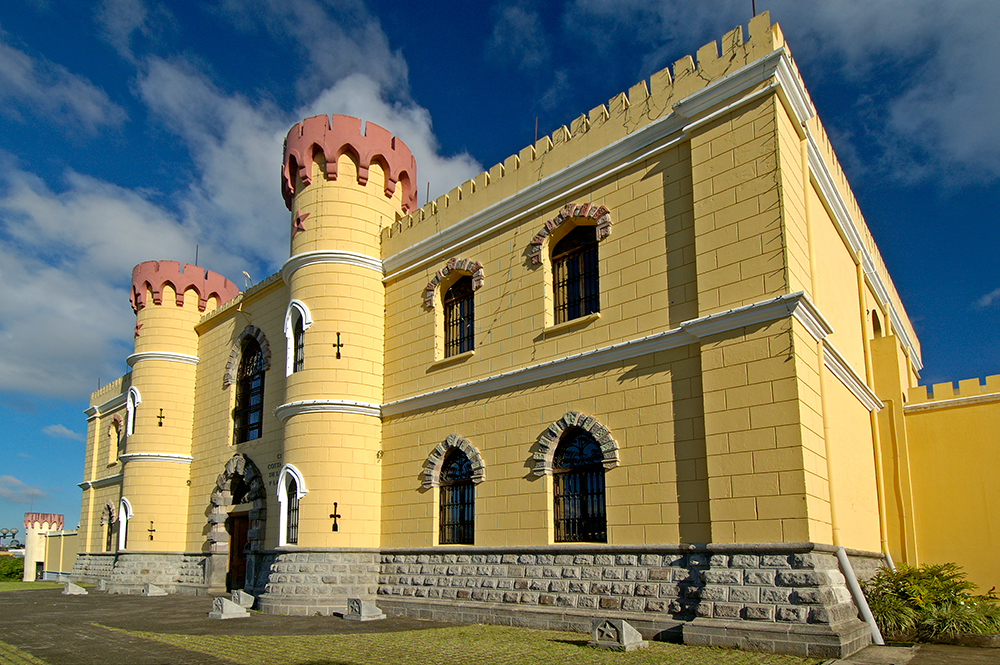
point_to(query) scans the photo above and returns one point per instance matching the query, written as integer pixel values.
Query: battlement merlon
(36, 520)
(154, 275)
(968, 388)
(624, 113)
(338, 135)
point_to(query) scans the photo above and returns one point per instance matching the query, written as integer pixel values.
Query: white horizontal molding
(286, 411)
(113, 404)
(849, 230)
(951, 402)
(162, 355)
(642, 144)
(156, 457)
(838, 365)
(332, 256)
(101, 482)
(689, 332)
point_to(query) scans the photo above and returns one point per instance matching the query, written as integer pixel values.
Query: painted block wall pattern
(752, 391)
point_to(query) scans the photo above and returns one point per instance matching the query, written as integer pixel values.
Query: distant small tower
(168, 300)
(36, 525)
(342, 186)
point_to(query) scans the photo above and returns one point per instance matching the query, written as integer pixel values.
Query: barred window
(578, 477)
(459, 318)
(248, 416)
(292, 508)
(575, 275)
(458, 500)
(298, 343)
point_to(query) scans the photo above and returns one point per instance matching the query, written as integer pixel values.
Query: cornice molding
(286, 411)
(156, 457)
(113, 404)
(949, 402)
(622, 154)
(689, 332)
(162, 355)
(101, 482)
(849, 230)
(309, 258)
(842, 369)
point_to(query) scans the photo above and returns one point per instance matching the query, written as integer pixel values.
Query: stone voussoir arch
(548, 441)
(570, 211)
(236, 353)
(238, 465)
(473, 268)
(434, 462)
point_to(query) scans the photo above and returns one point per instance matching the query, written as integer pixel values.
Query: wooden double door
(238, 527)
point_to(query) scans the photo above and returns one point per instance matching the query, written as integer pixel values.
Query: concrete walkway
(78, 630)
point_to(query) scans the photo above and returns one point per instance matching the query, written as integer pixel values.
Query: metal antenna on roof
(536, 130)
(196, 254)
(427, 196)
(753, 7)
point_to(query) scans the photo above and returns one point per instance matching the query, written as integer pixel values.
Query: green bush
(930, 601)
(11, 568)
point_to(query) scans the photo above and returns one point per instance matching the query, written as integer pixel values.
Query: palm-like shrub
(930, 601)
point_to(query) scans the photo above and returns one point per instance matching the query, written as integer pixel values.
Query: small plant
(930, 601)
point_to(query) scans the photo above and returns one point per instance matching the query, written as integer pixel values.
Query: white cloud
(336, 38)
(988, 299)
(62, 432)
(17, 491)
(943, 55)
(518, 39)
(30, 85)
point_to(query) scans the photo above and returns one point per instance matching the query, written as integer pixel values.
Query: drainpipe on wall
(859, 596)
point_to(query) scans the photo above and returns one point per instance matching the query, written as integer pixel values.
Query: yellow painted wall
(953, 461)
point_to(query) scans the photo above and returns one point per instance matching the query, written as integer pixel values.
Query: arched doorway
(236, 523)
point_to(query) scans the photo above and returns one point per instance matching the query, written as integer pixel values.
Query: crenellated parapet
(626, 112)
(154, 275)
(339, 135)
(52, 521)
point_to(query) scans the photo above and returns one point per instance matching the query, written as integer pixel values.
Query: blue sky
(133, 130)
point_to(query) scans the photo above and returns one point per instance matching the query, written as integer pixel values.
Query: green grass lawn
(453, 646)
(8, 585)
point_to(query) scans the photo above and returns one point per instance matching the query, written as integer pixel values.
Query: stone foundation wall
(751, 596)
(308, 582)
(91, 567)
(169, 571)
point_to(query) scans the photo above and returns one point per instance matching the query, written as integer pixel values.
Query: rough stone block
(70, 589)
(152, 590)
(362, 610)
(223, 608)
(615, 635)
(243, 599)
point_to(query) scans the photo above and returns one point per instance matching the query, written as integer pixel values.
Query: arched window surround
(288, 474)
(124, 515)
(549, 440)
(132, 401)
(435, 461)
(297, 311)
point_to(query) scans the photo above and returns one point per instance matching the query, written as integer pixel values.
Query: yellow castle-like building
(651, 367)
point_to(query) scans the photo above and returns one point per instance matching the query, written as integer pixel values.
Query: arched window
(297, 321)
(248, 416)
(458, 500)
(124, 515)
(578, 479)
(576, 282)
(132, 402)
(291, 489)
(459, 318)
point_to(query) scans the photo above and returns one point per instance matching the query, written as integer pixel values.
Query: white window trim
(133, 400)
(287, 471)
(124, 515)
(303, 312)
